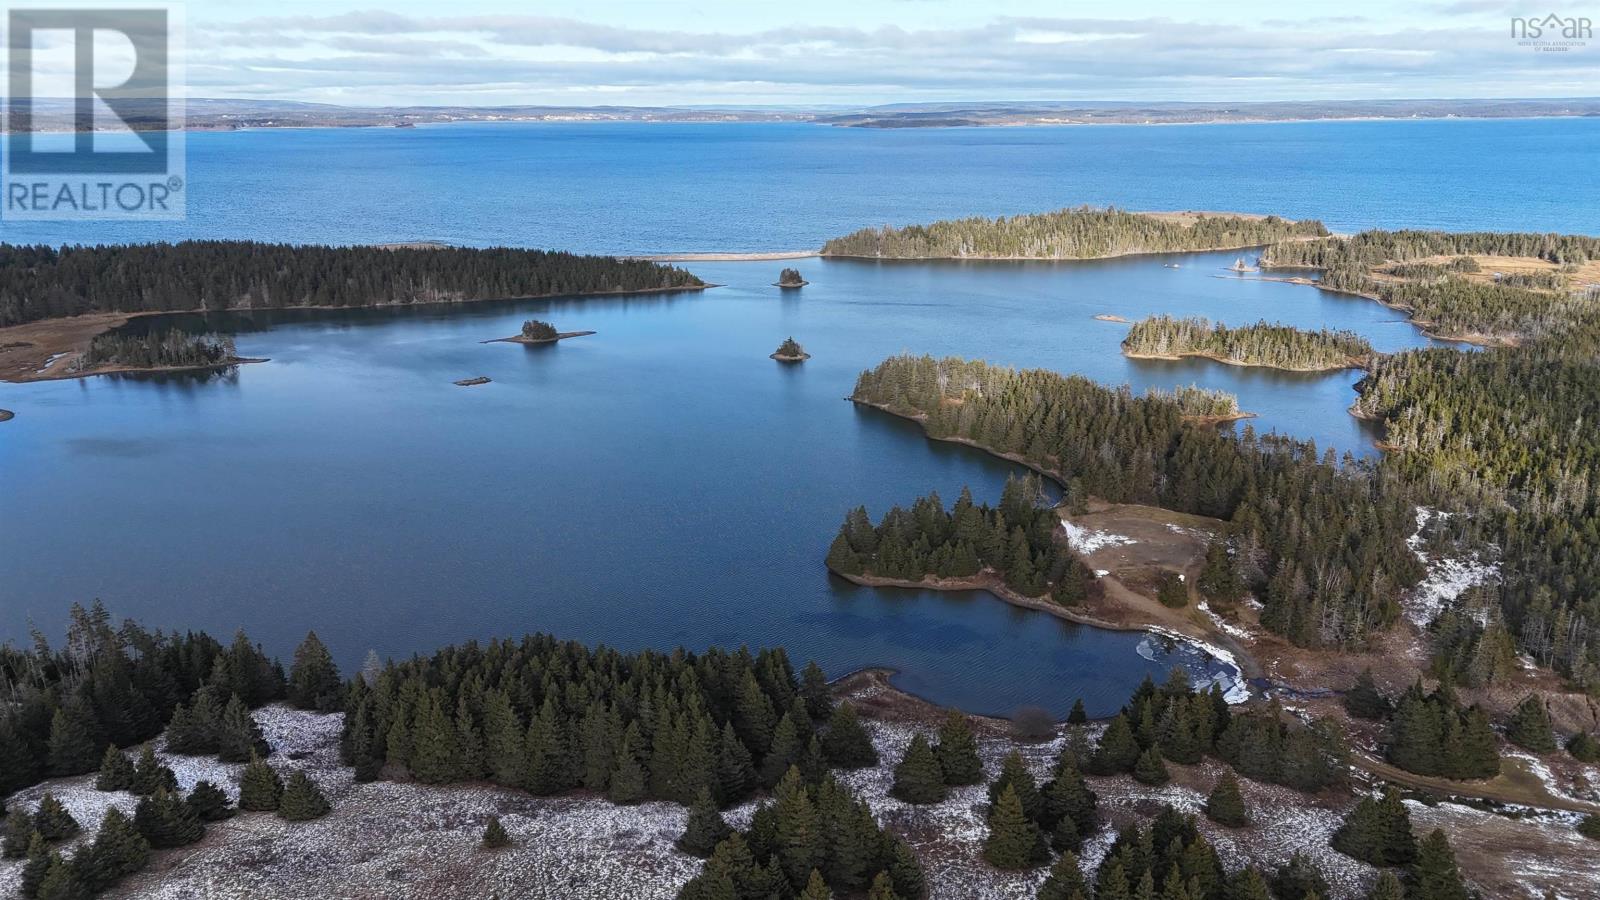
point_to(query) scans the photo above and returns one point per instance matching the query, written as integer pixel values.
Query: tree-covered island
(790, 351)
(1262, 344)
(790, 278)
(1077, 233)
(536, 331)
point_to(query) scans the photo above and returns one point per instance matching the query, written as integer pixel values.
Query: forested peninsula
(1076, 233)
(40, 282)
(55, 302)
(1262, 344)
(1324, 539)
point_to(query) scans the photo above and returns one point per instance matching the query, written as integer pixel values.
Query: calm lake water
(662, 482)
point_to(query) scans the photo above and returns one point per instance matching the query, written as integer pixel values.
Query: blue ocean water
(662, 482)
(630, 187)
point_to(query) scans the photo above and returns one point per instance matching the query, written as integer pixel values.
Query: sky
(858, 52)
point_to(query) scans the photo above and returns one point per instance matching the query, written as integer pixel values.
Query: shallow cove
(657, 484)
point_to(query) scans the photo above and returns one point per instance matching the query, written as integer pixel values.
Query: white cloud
(393, 58)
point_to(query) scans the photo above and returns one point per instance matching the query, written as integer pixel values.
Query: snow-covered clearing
(412, 841)
(1448, 577)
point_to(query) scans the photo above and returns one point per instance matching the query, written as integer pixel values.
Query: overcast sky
(487, 52)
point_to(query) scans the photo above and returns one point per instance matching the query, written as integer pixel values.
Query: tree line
(1261, 344)
(70, 711)
(549, 716)
(41, 282)
(1498, 437)
(1369, 249)
(1321, 540)
(1075, 233)
(1017, 539)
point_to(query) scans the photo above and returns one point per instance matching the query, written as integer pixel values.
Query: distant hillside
(227, 114)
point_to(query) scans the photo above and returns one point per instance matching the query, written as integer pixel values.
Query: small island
(537, 332)
(473, 382)
(1262, 344)
(790, 351)
(789, 279)
(168, 351)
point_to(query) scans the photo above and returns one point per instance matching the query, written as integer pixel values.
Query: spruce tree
(116, 772)
(1388, 887)
(904, 870)
(53, 821)
(957, 749)
(1118, 750)
(1300, 877)
(1378, 832)
(842, 559)
(19, 831)
(38, 856)
(1068, 797)
(1584, 747)
(1015, 776)
(627, 785)
(260, 789)
(167, 821)
(1247, 884)
(149, 775)
(1219, 581)
(814, 690)
(239, 737)
(705, 829)
(785, 751)
(735, 774)
(1365, 701)
(314, 679)
(1149, 769)
(435, 751)
(1530, 726)
(1078, 715)
(816, 888)
(1225, 805)
(1065, 881)
(210, 803)
(494, 835)
(302, 799)
(195, 729)
(882, 888)
(73, 748)
(61, 881)
(1014, 840)
(1435, 876)
(845, 743)
(918, 778)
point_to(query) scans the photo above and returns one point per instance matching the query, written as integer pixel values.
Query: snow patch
(1448, 578)
(1087, 540)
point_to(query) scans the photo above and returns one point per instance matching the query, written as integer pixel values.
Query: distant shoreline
(715, 256)
(408, 119)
